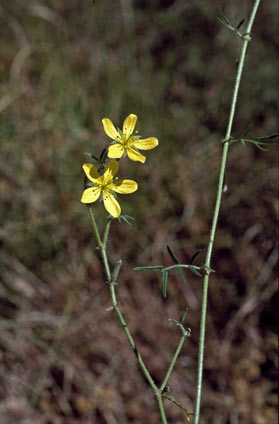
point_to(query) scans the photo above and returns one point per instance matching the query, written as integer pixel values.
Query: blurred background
(64, 66)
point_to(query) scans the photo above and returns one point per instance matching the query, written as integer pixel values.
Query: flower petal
(129, 125)
(135, 156)
(90, 195)
(115, 151)
(146, 143)
(124, 186)
(110, 171)
(91, 172)
(111, 204)
(110, 129)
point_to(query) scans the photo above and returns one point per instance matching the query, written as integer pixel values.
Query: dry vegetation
(64, 65)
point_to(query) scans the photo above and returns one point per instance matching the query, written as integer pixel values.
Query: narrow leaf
(268, 137)
(116, 271)
(172, 255)
(148, 268)
(91, 156)
(195, 271)
(259, 146)
(176, 261)
(103, 155)
(194, 256)
(240, 23)
(164, 281)
(223, 18)
(183, 315)
(126, 219)
(247, 131)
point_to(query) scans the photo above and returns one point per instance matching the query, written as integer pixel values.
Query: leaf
(164, 281)
(195, 271)
(183, 315)
(194, 256)
(246, 131)
(126, 219)
(223, 18)
(91, 156)
(268, 137)
(116, 271)
(103, 155)
(240, 23)
(176, 261)
(259, 146)
(148, 268)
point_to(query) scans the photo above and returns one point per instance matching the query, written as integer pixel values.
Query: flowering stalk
(246, 38)
(111, 279)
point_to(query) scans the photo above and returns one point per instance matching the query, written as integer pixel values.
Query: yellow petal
(90, 195)
(146, 143)
(129, 125)
(110, 171)
(124, 186)
(110, 129)
(115, 151)
(111, 204)
(91, 172)
(135, 156)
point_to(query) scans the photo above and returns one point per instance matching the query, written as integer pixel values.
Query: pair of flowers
(124, 142)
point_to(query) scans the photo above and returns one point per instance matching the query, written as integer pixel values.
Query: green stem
(130, 338)
(102, 246)
(246, 40)
(175, 356)
(106, 233)
(161, 408)
(95, 228)
(112, 283)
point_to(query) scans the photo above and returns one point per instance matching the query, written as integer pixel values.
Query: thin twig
(111, 277)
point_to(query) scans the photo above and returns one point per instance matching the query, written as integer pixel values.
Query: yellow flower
(105, 184)
(126, 141)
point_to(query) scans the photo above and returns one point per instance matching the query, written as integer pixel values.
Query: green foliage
(225, 21)
(175, 260)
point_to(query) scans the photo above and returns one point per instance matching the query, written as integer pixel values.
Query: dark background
(64, 66)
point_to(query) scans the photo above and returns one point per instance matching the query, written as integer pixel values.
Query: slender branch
(171, 399)
(112, 283)
(130, 338)
(173, 361)
(246, 40)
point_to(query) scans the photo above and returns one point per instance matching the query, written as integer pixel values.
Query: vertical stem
(161, 408)
(246, 40)
(106, 233)
(95, 228)
(102, 246)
